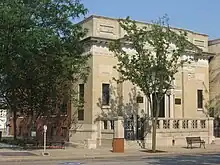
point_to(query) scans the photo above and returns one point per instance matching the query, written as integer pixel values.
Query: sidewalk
(104, 153)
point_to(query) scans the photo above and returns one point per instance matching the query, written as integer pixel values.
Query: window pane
(63, 108)
(112, 124)
(81, 99)
(199, 99)
(80, 114)
(81, 92)
(105, 94)
(162, 106)
(105, 122)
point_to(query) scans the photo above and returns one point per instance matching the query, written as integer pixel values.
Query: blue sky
(198, 15)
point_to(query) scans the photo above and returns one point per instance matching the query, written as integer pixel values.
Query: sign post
(45, 141)
(45, 137)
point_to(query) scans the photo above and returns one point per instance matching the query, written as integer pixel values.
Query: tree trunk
(154, 131)
(15, 123)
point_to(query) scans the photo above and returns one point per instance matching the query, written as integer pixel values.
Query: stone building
(183, 111)
(3, 119)
(214, 67)
(214, 83)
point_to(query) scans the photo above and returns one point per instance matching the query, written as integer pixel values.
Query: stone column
(92, 142)
(166, 101)
(172, 104)
(118, 141)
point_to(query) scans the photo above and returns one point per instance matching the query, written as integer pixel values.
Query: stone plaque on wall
(106, 28)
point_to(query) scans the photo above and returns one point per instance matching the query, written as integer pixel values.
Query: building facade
(214, 47)
(214, 81)
(3, 119)
(183, 111)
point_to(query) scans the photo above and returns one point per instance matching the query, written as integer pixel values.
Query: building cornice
(101, 40)
(141, 22)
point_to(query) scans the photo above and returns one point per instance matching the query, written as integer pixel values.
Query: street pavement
(103, 156)
(198, 159)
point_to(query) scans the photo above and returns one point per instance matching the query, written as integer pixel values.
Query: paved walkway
(102, 153)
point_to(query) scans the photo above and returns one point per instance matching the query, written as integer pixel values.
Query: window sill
(80, 121)
(199, 109)
(105, 106)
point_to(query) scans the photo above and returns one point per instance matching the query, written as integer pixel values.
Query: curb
(101, 157)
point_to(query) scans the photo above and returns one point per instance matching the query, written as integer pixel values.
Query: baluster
(172, 124)
(190, 124)
(160, 124)
(199, 124)
(109, 125)
(196, 124)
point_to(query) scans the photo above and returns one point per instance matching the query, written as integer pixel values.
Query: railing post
(180, 124)
(160, 124)
(171, 123)
(190, 124)
(108, 124)
(199, 124)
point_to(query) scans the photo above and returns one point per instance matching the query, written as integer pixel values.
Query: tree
(157, 57)
(41, 55)
(213, 105)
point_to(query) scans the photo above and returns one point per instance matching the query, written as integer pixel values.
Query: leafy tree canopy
(41, 55)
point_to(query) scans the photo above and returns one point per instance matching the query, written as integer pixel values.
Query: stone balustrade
(170, 129)
(165, 124)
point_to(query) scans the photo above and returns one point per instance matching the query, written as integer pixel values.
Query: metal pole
(45, 141)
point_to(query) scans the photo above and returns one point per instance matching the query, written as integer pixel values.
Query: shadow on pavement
(150, 151)
(199, 159)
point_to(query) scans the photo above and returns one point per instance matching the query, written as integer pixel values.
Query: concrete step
(134, 144)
